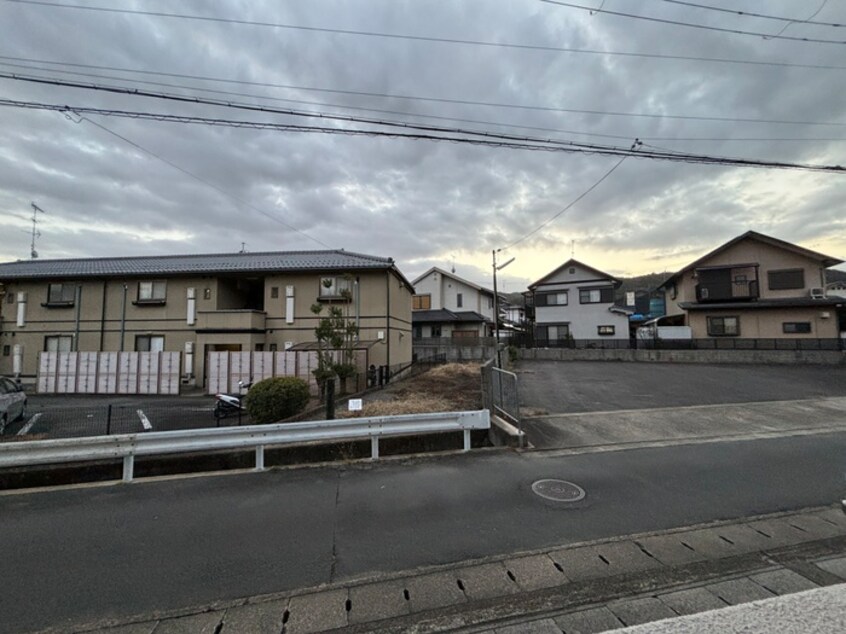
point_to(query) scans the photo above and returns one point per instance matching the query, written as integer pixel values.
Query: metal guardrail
(127, 446)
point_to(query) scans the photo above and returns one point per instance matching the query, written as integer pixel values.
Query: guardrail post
(109, 420)
(128, 467)
(374, 447)
(260, 458)
(466, 440)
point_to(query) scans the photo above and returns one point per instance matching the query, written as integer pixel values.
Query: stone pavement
(589, 587)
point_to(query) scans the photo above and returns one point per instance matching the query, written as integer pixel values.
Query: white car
(12, 402)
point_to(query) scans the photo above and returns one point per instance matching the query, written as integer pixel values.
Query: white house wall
(583, 319)
(444, 290)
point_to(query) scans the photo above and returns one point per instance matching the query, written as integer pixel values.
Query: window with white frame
(796, 327)
(558, 332)
(61, 294)
(58, 343)
(152, 292)
(149, 343)
(557, 299)
(335, 286)
(605, 330)
(723, 326)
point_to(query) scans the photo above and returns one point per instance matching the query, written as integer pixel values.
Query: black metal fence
(713, 343)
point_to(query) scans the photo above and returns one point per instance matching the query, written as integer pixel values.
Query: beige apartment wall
(99, 330)
(767, 323)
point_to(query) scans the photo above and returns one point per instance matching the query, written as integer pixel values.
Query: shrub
(273, 399)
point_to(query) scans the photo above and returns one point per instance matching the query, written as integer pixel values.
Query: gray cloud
(422, 203)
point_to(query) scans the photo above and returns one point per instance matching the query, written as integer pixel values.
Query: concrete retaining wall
(454, 353)
(791, 357)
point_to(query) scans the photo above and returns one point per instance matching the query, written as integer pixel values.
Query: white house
(445, 305)
(576, 302)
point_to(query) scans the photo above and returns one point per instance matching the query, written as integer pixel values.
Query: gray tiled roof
(267, 262)
(444, 315)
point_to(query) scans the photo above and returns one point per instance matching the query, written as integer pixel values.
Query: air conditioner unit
(817, 293)
(703, 292)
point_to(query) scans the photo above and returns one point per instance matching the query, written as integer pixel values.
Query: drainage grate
(558, 490)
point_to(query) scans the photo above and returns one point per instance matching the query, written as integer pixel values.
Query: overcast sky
(423, 203)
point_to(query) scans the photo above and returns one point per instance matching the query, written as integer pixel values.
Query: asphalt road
(588, 386)
(78, 555)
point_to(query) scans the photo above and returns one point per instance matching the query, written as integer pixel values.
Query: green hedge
(271, 400)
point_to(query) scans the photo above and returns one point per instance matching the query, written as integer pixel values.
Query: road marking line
(33, 419)
(144, 420)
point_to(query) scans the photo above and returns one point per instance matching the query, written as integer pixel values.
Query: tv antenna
(35, 232)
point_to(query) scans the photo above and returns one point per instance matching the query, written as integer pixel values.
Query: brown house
(200, 303)
(757, 287)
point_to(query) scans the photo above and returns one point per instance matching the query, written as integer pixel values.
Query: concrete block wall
(776, 357)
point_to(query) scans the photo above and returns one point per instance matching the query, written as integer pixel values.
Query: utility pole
(496, 304)
(35, 232)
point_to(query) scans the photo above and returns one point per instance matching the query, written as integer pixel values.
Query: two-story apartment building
(199, 303)
(756, 286)
(575, 302)
(446, 305)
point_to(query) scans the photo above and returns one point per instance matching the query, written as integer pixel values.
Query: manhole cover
(558, 490)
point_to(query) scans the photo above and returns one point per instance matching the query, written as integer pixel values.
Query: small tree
(276, 398)
(336, 335)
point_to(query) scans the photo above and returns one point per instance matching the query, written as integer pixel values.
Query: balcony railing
(736, 291)
(223, 320)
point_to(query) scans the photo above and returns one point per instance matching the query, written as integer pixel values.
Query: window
(605, 330)
(152, 292)
(335, 287)
(421, 302)
(58, 343)
(558, 332)
(723, 326)
(601, 295)
(206, 293)
(572, 270)
(7, 350)
(490, 302)
(61, 294)
(796, 327)
(10, 297)
(436, 331)
(459, 300)
(555, 299)
(149, 343)
(274, 292)
(786, 279)
(418, 332)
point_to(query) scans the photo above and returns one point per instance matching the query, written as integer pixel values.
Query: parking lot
(65, 416)
(568, 405)
(553, 387)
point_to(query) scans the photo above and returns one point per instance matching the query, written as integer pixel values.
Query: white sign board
(630, 298)
(355, 404)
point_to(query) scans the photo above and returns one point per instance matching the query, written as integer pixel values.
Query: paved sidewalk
(582, 588)
(607, 429)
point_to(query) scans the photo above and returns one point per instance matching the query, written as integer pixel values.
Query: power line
(692, 24)
(242, 106)
(394, 112)
(423, 38)
(203, 181)
(805, 21)
(573, 202)
(491, 141)
(505, 124)
(751, 14)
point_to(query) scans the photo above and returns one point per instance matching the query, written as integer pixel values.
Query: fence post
(109, 420)
(330, 399)
(260, 458)
(128, 467)
(466, 440)
(374, 447)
